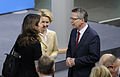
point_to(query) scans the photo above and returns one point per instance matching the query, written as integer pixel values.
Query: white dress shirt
(82, 31)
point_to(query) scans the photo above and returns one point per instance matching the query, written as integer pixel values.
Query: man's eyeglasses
(109, 67)
(74, 18)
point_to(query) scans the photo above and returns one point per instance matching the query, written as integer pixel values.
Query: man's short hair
(82, 13)
(45, 65)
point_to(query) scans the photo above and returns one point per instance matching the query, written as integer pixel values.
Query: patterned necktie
(78, 35)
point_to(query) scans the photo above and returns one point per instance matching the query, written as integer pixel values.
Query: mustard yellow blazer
(50, 47)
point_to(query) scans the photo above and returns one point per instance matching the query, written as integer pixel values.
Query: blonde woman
(49, 41)
(100, 71)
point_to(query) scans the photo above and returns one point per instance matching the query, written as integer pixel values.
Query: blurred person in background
(112, 63)
(100, 71)
(45, 67)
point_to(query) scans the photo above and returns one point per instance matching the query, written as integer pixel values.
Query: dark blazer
(86, 54)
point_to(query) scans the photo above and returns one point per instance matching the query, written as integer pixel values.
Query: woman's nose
(44, 24)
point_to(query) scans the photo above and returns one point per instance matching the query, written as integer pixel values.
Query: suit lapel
(74, 38)
(73, 41)
(84, 37)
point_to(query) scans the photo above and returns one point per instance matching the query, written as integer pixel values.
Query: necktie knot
(78, 33)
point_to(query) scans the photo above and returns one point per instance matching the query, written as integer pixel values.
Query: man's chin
(74, 26)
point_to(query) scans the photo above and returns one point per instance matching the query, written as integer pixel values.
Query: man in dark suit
(84, 46)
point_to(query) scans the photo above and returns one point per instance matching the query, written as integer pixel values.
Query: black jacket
(28, 55)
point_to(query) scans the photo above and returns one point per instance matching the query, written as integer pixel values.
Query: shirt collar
(48, 31)
(83, 29)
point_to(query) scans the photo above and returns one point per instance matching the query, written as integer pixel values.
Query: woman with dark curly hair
(28, 45)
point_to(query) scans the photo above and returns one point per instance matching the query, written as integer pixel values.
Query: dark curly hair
(29, 35)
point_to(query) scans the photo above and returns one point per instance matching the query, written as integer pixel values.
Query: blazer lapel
(48, 38)
(43, 41)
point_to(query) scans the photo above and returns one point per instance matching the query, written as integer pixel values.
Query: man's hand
(70, 62)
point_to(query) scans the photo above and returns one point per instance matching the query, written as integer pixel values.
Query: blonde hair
(107, 59)
(100, 71)
(46, 13)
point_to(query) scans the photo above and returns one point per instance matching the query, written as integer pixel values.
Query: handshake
(70, 62)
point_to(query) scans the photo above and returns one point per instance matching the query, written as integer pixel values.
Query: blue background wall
(15, 5)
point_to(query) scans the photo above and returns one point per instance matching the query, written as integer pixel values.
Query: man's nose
(72, 22)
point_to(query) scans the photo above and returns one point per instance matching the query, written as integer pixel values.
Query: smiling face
(45, 23)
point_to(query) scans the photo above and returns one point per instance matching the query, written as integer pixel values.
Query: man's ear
(82, 20)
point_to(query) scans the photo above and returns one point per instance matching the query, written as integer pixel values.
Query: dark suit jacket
(86, 54)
